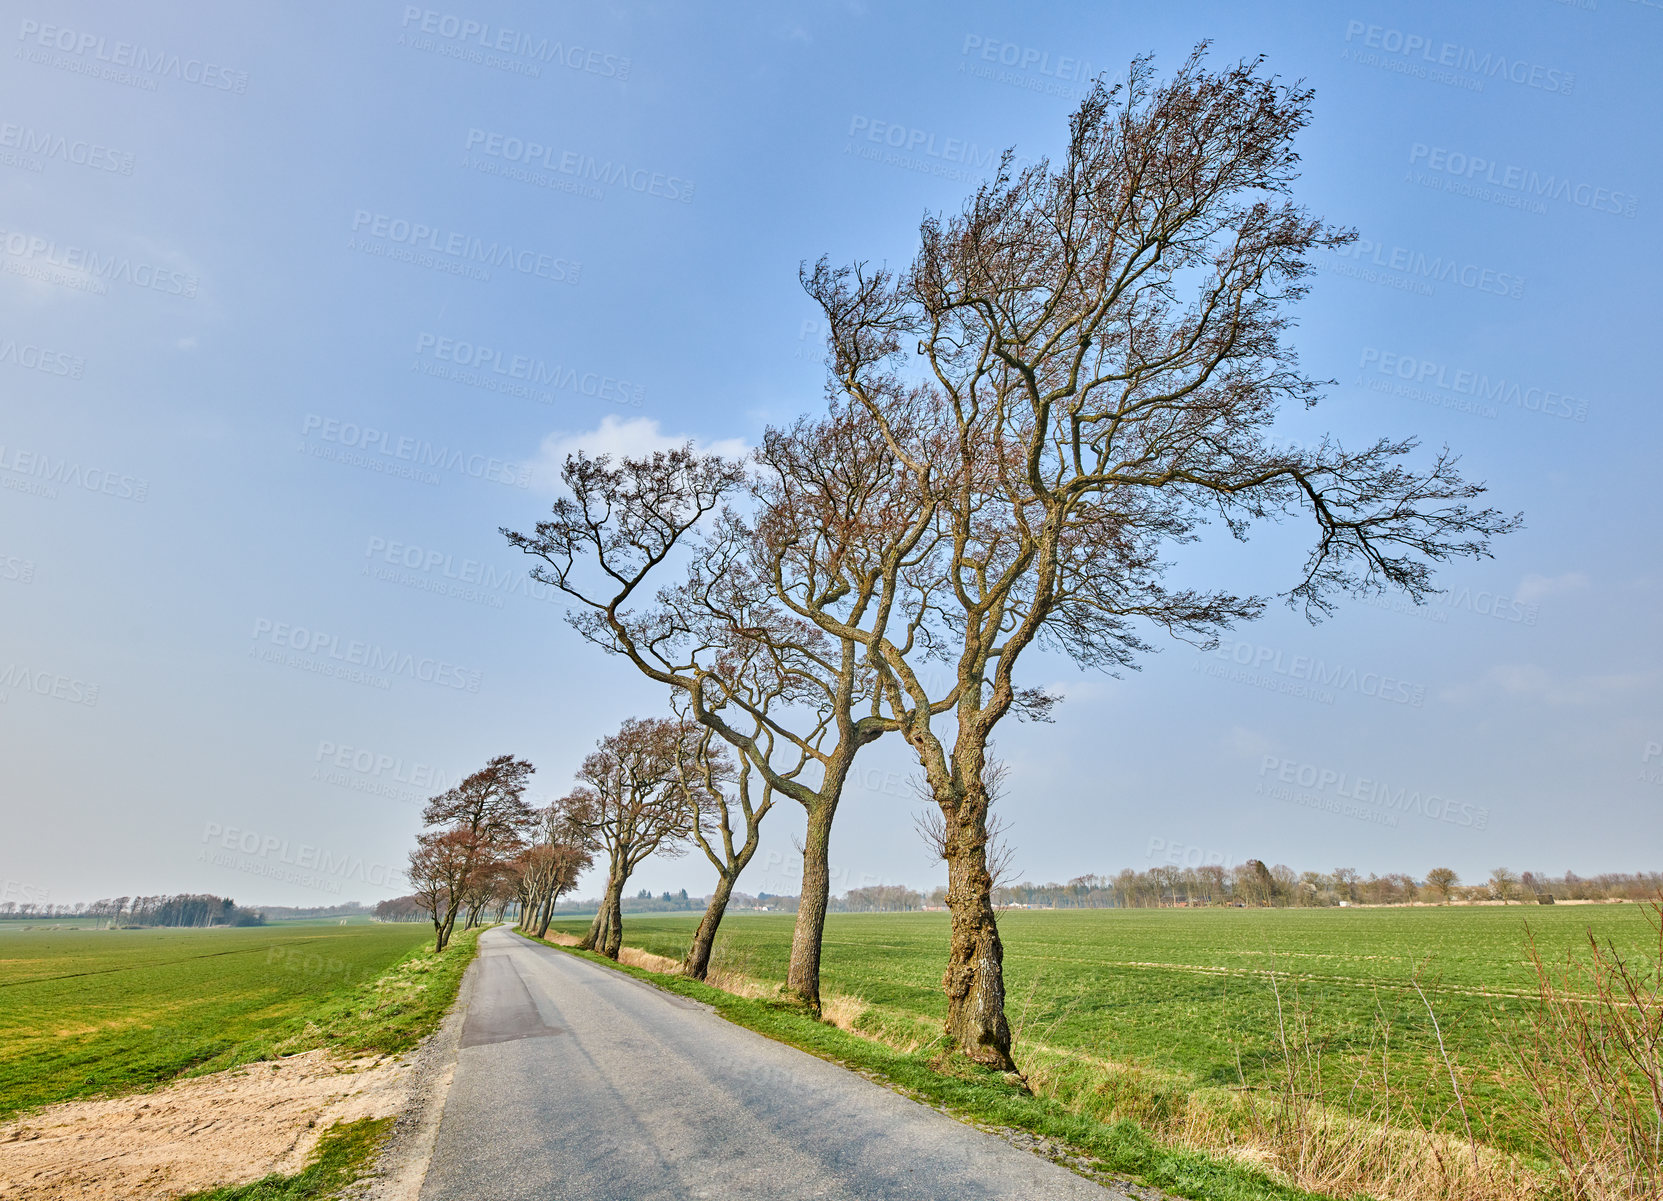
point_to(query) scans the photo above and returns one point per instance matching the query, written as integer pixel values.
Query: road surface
(575, 1082)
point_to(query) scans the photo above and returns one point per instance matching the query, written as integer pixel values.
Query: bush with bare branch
(1001, 852)
(1593, 1057)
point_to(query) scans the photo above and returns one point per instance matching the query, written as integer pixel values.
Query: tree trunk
(974, 980)
(448, 925)
(697, 962)
(546, 914)
(613, 936)
(597, 928)
(803, 979)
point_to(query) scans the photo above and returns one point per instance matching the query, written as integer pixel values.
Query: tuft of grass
(344, 1155)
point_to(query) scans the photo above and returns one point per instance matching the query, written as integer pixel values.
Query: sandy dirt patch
(227, 1128)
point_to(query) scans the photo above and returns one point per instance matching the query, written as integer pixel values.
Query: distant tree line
(401, 909)
(300, 912)
(1279, 886)
(882, 898)
(1251, 883)
(37, 911)
(180, 909)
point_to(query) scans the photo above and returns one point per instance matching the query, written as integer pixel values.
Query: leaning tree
(823, 527)
(1078, 372)
(632, 801)
(715, 789)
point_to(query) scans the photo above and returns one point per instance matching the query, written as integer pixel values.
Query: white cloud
(1249, 744)
(1530, 682)
(633, 438)
(1535, 587)
(1081, 689)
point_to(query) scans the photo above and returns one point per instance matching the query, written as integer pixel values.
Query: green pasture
(1194, 993)
(86, 1011)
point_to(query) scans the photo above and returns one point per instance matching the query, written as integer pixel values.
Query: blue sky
(296, 309)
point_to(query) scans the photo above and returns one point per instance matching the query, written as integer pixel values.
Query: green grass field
(87, 1011)
(1190, 992)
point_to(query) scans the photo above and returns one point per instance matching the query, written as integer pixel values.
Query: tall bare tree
(791, 696)
(471, 828)
(439, 867)
(710, 775)
(1079, 370)
(550, 865)
(632, 801)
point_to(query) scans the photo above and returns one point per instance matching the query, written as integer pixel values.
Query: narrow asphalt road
(574, 1082)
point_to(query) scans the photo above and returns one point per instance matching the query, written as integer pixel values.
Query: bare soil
(230, 1127)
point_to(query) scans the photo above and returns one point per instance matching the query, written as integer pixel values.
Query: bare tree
(505, 890)
(489, 880)
(632, 802)
(471, 829)
(1345, 882)
(550, 865)
(1504, 884)
(1442, 880)
(438, 867)
(708, 775)
(788, 692)
(1100, 354)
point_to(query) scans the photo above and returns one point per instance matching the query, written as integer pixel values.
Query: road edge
(1057, 1151)
(401, 1167)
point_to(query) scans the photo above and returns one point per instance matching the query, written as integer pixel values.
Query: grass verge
(1121, 1149)
(343, 1156)
(391, 1013)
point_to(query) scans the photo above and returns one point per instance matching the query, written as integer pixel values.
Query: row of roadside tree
(1080, 372)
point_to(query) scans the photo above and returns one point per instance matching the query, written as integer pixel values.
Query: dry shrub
(844, 1012)
(1593, 1057)
(647, 961)
(729, 969)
